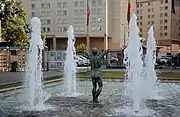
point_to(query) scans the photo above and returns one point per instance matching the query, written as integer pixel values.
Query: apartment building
(158, 13)
(107, 21)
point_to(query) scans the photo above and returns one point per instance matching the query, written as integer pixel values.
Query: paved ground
(10, 77)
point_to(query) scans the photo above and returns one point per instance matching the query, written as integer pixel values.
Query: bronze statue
(96, 63)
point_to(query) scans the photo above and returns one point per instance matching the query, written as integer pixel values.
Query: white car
(84, 59)
(79, 61)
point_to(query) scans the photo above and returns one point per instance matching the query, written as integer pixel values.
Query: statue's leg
(94, 88)
(100, 85)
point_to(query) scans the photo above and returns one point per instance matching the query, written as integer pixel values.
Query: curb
(162, 79)
(20, 87)
(108, 79)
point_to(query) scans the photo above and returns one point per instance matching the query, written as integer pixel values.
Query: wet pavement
(112, 102)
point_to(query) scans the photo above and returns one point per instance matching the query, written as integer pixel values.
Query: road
(10, 77)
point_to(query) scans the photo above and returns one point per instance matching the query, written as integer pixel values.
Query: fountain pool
(112, 101)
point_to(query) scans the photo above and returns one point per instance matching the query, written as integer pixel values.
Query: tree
(13, 19)
(43, 37)
(81, 48)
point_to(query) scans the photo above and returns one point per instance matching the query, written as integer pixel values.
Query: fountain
(134, 65)
(112, 97)
(70, 64)
(33, 82)
(150, 60)
(34, 73)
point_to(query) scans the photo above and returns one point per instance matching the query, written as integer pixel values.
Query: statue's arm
(103, 54)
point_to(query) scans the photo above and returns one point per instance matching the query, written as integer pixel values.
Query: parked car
(79, 61)
(85, 60)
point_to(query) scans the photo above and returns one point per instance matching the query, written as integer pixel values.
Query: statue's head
(94, 51)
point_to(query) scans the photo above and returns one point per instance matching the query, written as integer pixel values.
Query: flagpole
(87, 33)
(172, 11)
(106, 29)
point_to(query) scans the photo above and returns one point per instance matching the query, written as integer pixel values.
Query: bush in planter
(14, 66)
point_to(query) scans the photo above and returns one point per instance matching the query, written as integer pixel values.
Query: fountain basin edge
(88, 78)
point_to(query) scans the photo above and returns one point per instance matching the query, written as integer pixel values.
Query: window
(81, 12)
(45, 5)
(33, 14)
(166, 7)
(59, 21)
(162, 1)
(76, 4)
(64, 13)
(48, 21)
(165, 27)
(33, 6)
(81, 3)
(165, 34)
(65, 21)
(45, 14)
(161, 34)
(140, 23)
(64, 4)
(93, 19)
(140, 29)
(59, 5)
(166, 1)
(64, 29)
(60, 29)
(48, 29)
(93, 2)
(165, 21)
(59, 13)
(43, 22)
(93, 11)
(96, 28)
(165, 14)
(137, 5)
(43, 29)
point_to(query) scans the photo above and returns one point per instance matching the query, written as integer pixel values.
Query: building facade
(107, 21)
(158, 13)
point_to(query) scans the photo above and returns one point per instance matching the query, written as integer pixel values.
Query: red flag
(88, 12)
(129, 11)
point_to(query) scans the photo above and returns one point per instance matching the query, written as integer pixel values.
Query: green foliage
(81, 48)
(13, 18)
(43, 36)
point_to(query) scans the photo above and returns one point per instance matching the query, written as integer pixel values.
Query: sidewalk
(11, 77)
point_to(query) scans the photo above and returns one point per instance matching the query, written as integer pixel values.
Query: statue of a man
(95, 63)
